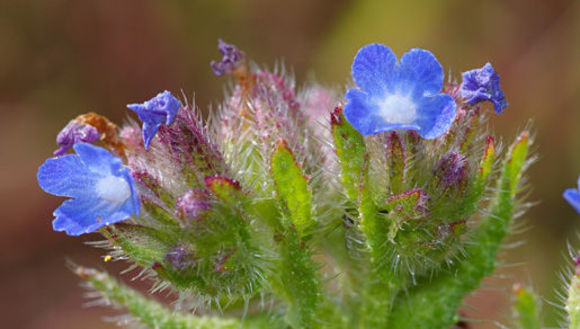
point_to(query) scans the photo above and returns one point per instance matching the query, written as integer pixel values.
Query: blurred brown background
(60, 58)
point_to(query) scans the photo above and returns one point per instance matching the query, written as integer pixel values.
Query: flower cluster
(384, 186)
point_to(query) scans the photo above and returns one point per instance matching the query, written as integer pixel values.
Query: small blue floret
(572, 195)
(101, 188)
(483, 85)
(160, 109)
(404, 95)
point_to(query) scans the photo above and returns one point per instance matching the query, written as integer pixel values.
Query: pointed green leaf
(526, 308)
(407, 205)
(487, 160)
(469, 129)
(145, 245)
(157, 211)
(396, 161)
(350, 149)
(224, 188)
(513, 167)
(404, 207)
(292, 187)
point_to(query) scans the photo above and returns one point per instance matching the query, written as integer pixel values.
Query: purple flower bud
(160, 109)
(74, 132)
(193, 205)
(180, 257)
(483, 85)
(452, 170)
(232, 58)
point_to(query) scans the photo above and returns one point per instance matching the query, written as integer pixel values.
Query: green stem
(300, 285)
(149, 311)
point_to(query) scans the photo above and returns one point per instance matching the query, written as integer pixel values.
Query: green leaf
(351, 150)
(224, 188)
(407, 206)
(487, 160)
(515, 163)
(292, 187)
(158, 212)
(396, 162)
(145, 245)
(526, 308)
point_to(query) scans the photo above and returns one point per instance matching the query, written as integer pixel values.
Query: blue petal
(140, 109)
(79, 216)
(375, 68)
(65, 176)
(97, 159)
(171, 106)
(436, 114)
(357, 111)
(573, 197)
(421, 72)
(149, 131)
(148, 114)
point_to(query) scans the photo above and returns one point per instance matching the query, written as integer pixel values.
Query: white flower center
(398, 108)
(113, 189)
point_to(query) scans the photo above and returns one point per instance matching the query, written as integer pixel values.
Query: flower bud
(452, 171)
(193, 205)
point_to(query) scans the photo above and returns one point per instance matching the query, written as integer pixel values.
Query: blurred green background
(60, 58)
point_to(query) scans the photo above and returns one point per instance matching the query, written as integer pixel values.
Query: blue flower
(483, 85)
(572, 195)
(159, 109)
(403, 95)
(101, 189)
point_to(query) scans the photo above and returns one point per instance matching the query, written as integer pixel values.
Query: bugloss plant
(301, 210)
